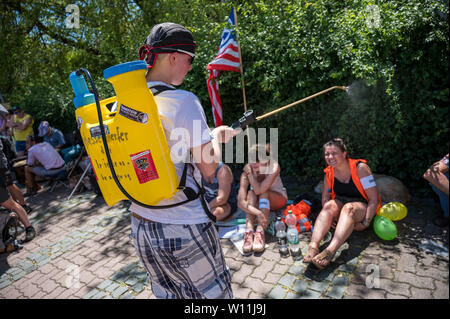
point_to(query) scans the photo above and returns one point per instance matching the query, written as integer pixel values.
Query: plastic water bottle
(292, 235)
(280, 232)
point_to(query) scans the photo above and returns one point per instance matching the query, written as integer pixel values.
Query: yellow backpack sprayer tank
(127, 148)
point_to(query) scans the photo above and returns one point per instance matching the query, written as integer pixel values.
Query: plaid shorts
(182, 261)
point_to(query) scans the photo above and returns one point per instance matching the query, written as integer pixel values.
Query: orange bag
(301, 212)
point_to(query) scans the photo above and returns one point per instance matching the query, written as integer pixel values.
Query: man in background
(51, 135)
(22, 126)
(43, 160)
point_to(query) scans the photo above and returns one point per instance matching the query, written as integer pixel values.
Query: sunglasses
(192, 55)
(191, 60)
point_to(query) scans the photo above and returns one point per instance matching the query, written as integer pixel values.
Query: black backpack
(7, 149)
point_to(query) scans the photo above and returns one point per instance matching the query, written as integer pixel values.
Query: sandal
(310, 255)
(325, 255)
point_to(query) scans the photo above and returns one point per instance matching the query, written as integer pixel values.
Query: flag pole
(242, 72)
(240, 59)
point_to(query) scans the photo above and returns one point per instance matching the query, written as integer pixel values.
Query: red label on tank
(144, 166)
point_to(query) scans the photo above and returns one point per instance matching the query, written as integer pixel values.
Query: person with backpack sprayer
(172, 227)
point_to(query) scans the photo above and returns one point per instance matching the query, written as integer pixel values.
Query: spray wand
(250, 118)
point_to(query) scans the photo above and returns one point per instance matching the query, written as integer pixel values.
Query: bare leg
(277, 201)
(330, 212)
(251, 211)
(265, 211)
(29, 178)
(221, 212)
(16, 194)
(15, 207)
(351, 214)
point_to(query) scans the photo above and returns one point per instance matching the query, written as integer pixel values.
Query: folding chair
(58, 178)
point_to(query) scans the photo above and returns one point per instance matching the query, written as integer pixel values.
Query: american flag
(227, 59)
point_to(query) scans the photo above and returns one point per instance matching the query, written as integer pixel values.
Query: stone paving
(83, 251)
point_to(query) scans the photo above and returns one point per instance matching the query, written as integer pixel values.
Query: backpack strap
(188, 191)
(191, 194)
(157, 89)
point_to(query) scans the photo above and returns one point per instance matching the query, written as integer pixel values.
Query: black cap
(166, 37)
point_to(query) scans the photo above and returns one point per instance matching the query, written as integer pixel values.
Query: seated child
(260, 191)
(221, 193)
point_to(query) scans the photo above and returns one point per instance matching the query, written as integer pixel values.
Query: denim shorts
(41, 171)
(21, 146)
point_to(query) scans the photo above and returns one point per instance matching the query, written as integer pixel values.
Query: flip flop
(325, 255)
(309, 255)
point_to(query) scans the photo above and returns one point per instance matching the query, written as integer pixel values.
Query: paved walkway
(82, 250)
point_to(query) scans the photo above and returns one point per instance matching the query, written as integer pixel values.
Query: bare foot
(310, 254)
(323, 259)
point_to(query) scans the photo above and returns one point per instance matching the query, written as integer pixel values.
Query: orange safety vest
(301, 211)
(329, 171)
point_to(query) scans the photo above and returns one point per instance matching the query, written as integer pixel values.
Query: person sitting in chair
(51, 135)
(43, 160)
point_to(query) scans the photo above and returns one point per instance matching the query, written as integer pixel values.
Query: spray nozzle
(247, 119)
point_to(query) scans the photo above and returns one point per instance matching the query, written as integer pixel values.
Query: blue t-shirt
(55, 138)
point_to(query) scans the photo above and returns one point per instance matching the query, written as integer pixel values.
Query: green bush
(393, 56)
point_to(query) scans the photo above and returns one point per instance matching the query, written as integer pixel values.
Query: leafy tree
(393, 56)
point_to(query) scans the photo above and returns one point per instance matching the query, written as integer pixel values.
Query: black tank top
(347, 189)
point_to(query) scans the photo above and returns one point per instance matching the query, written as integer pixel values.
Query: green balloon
(384, 228)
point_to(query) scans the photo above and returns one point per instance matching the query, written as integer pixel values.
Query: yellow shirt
(21, 135)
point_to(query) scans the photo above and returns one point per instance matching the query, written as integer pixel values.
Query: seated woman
(350, 200)
(260, 191)
(437, 175)
(221, 193)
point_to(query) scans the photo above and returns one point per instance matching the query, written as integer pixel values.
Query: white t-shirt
(184, 124)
